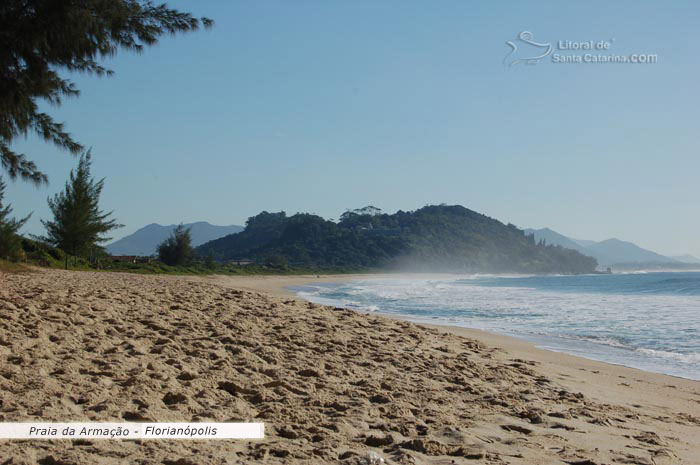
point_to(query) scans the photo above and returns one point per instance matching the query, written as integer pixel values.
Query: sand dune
(331, 385)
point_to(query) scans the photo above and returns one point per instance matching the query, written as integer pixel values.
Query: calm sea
(649, 320)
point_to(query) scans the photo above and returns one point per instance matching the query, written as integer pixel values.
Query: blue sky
(321, 106)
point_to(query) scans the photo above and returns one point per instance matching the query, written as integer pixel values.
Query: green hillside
(433, 238)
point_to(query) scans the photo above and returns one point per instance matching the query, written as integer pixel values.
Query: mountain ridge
(432, 238)
(608, 252)
(552, 237)
(686, 258)
(144, 241)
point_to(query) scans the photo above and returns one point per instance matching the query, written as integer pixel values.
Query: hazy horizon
(321, 107)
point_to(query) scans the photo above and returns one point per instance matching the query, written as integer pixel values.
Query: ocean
(645, 320)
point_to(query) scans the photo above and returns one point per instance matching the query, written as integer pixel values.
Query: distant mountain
(614, 251)
(583, 242)
(145, 241)
(554, 238)
(687, 258)
(608, 252)
(433, 238)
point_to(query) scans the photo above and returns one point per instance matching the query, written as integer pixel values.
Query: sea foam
(649, 320)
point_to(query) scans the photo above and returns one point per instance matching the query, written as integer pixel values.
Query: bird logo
(528, 45)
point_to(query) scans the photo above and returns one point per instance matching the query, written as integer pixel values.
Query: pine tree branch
(17, 165)
(38, 39)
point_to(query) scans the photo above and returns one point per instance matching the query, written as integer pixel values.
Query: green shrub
(56, 253)
(10, 241)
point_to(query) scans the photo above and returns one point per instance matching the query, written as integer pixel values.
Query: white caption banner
(132, 430)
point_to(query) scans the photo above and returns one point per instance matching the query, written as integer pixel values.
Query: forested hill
(433, 238)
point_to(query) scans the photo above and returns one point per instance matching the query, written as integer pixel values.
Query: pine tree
(10, 242)
(176, 249)
(41, 38)
(79, 225)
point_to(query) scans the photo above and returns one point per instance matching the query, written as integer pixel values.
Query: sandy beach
(331, 385)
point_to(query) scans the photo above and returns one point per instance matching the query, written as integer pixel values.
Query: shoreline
(279, 286)
(604, 382)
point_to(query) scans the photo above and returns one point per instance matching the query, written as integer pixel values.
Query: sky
(323, 106)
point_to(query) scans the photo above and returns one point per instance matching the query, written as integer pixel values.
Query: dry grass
(10, 267)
